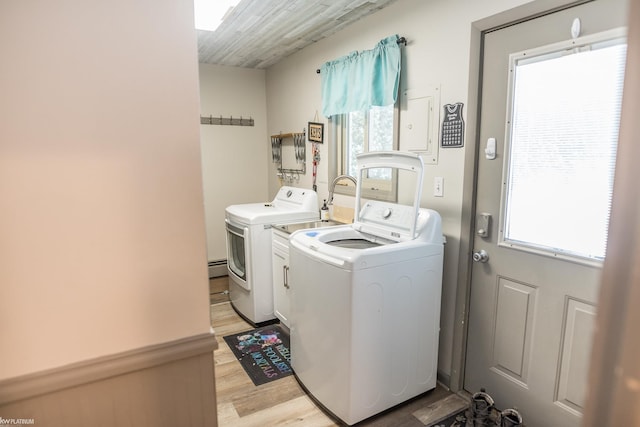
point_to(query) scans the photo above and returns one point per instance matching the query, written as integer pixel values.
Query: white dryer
(249, 248)
(365, 308)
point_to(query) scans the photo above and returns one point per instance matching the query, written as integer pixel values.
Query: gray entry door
(532, 306)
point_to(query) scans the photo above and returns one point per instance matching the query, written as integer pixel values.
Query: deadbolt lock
(483, 225)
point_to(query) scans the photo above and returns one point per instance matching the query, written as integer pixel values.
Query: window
(563, 134)
(360, 132)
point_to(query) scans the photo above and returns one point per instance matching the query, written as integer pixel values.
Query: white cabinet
(281, 290)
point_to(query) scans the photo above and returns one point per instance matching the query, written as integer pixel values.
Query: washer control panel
(391, 218)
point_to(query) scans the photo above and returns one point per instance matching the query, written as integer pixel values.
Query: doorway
(533, 297)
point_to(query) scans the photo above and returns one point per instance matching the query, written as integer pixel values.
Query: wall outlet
(438, 186)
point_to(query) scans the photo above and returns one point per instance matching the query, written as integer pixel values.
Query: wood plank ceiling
(259, 33)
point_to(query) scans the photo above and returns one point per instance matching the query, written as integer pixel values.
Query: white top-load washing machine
(249, 247)
(365, 308)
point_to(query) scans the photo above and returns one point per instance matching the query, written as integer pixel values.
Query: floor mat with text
(262, 352)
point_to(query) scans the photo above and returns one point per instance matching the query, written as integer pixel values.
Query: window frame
(603, 39)
(372, 189)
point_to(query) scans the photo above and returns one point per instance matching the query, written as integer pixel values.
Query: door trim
(474, 97)
(613, 397)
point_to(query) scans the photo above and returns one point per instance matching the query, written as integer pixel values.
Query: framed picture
(316, 132)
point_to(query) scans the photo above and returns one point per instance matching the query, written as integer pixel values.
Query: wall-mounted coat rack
(299, 154)
(226, 121)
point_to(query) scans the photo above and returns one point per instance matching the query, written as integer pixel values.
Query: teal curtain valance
(360, 80)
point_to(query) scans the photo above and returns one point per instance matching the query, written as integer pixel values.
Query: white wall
(439, 51)
(102, 237)
(234, 158)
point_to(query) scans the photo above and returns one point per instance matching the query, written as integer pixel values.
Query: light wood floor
(280, 402)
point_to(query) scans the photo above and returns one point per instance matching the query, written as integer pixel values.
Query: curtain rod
(401, 40)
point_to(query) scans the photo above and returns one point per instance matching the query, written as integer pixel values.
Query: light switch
(438, 186)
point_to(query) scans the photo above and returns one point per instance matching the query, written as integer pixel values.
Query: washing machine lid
(289, 205)
(391, 221)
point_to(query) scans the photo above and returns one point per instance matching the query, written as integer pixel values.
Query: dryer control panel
(296, 198)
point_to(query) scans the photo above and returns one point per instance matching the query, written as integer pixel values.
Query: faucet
(332, 187)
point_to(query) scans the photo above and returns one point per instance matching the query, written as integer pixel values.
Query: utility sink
(290, 228)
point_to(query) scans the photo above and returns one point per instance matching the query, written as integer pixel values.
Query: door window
(562, 127)
(236, 251)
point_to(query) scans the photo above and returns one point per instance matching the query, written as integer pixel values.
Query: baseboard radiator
(217, 268)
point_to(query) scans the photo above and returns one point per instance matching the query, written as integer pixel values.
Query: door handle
(285, 272)
(481, 256)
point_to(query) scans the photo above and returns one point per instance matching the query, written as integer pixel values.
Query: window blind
(566, 114)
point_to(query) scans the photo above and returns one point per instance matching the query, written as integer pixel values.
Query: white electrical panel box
(419, 122)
